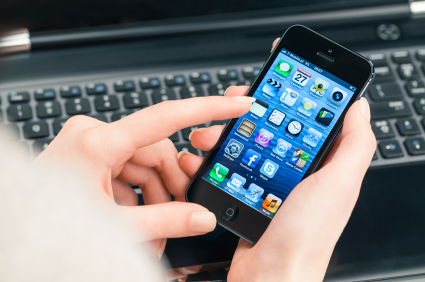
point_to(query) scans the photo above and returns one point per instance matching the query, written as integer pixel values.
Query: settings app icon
(233, 148)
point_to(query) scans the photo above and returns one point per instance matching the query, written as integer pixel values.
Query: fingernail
(199, 129)
(276, 41)
(202, 222)
(162, 248)
(364, 108)
(244, 99)
(225, 92)
(180, 154)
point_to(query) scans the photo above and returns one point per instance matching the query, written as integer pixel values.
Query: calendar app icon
(301, 77)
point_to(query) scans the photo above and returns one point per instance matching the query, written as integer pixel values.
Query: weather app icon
(233, 148)
(307, 106)
(312, 137)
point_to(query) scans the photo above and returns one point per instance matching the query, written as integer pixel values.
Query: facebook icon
(251, 158)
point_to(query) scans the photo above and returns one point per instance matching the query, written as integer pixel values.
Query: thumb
(170, 220)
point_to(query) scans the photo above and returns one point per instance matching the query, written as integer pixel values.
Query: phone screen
(268, 151)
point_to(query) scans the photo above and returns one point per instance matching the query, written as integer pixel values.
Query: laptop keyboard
(397, 100)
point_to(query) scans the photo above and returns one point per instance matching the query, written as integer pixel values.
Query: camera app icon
(337, 96)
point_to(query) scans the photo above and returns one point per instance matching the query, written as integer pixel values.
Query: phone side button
(229, 211)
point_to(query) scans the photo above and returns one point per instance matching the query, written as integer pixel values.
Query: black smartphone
(303, 92)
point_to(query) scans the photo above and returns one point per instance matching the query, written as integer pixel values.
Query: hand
(299, 242)
(136, 150)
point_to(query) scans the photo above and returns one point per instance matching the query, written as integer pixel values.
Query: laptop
(107, 59)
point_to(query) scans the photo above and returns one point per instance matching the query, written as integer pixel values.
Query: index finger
(158, 122)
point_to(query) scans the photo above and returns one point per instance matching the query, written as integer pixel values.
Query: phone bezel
(305, 43)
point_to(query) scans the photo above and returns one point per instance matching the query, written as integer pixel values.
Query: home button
(229, 211)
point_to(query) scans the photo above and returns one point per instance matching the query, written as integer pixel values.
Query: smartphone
(302, 93)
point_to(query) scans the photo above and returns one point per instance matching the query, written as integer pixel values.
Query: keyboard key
(40, 145)
(45, 94)
(174, 80)
(118, 116)
(375, 157)
(378, 59)
(187, 131)
(77, 106)
(70, 91)
(419, 106)
(126, 85)
(390, 149)
(401, 57)
(13, 130)
(135, 100)
(420, 54)
(391, 109)
(96, 88)
(382, 92)
(415, 146)
(146, 82)
(49, 109)
(250, 72)
(1, 115)
(246, 82)
(415, 88)
(187, 148)
(383, 73)
(161, 95)
(226, 75)
(191, 91)
(106, 103)
(174, 137)
(100, 117)
(220, 122)
(36, 129)
(196, 77)
(218, 89)
(19, 112)
(58, 125)
(382, 129)
(19, 97)
(407, 71)
(407, 127)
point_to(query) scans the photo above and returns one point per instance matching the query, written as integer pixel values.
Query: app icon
(299, 158)
(264, 137)
(283, 68)
(289, 97)
(233, 148)
(306, 107)
(271, 87)
(219, 172)
(254, 192)
(276, 117)
(301, 77)
(319, 86)
(251, 158)
(236, 182)
(337, 96)
(259, 108)
(282, 148)
(294, 127)
(312, 137)
(272, 203)
(269, 168)
(325, 117)
(246, 128)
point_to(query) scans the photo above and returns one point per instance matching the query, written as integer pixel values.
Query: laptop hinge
(417, 8)
(15, 41)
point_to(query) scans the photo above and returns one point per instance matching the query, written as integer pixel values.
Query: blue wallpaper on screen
(287, 175)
